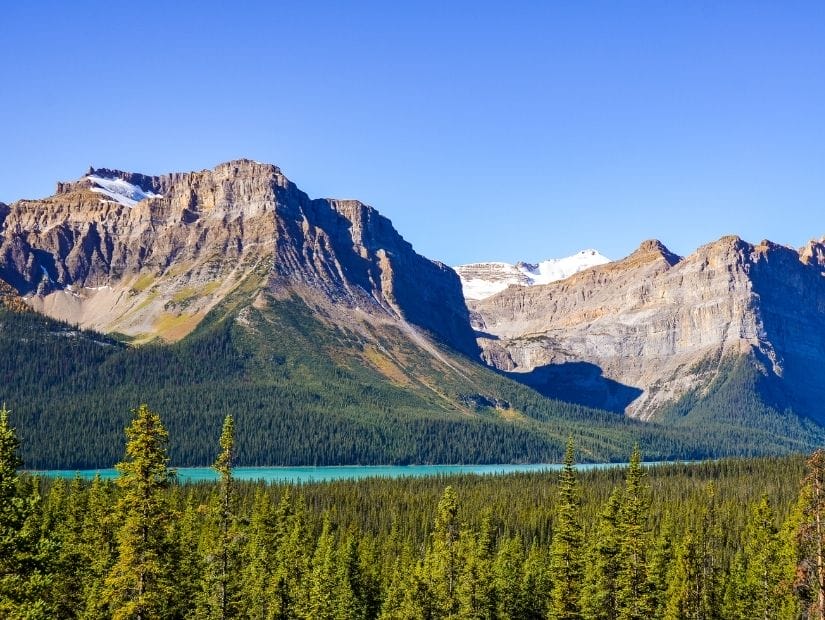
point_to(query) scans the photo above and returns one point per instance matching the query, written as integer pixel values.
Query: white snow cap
(482, 280)
(119, 190)
(560, 268)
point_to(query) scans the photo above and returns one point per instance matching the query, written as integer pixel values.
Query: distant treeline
(732, 539)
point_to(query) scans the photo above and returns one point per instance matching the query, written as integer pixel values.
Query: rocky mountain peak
(647, 332)
(151, 255)
(652, 249)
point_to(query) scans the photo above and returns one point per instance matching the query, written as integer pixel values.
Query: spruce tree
(220, 582)
(695, 588)
(258, 555)
(661, 557)
(476, 590)
(508, 575)
(443, 558)
(634, 532)
(321, 595)
(566, 549)
(24, 575)
(599, 600)
(140, 585)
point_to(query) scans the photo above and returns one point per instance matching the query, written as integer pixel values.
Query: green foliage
(25, 546)
(566, 550)
(302, 393)
(140, 584)
(725, 539)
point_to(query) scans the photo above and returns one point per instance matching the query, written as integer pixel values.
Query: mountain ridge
(337, 342)
(646, 320)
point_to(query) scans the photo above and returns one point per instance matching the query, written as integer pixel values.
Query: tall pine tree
(566, 549)
(634, 532)
(140, 584)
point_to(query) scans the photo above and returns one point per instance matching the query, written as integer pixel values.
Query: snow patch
(482, 280)
(120, 191)
(555, 269)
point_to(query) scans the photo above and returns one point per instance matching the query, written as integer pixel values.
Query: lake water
(323, 474)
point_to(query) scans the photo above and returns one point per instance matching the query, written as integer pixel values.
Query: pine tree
(220, 583)
(140, 584)
(763, 569)
(24, 577)
(351, 595)
(443, 558)
(661, 558)
(476, 590)
(599, 600)
(634, 532)
(287, 592)
(535, 585)
(73, 566)
(321, 599)
(695, 589)
(566, 549)
(258, 556)
(507, 577)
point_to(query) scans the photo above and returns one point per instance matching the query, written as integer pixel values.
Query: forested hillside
(302, 393)
(732, 539)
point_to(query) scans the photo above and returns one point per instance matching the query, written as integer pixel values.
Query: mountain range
(333, 341)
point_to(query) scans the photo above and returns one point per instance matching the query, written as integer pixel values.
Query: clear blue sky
(484, 130)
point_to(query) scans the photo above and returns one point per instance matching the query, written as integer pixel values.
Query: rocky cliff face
(636, 334)
(151, 255)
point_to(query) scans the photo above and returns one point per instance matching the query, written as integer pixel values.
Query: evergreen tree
(695, 589)
(566, 549)
(222, 590)
(321, 595)
(443, 558)
(351, 594)
(24, 577)
(476, 589)
(631, 580)
(287, 592)
(258, 555)
(140, 585)
(99, 547)
(763, 568)
(661, 558)
(507, 577)
(536, 583)
(600, 586)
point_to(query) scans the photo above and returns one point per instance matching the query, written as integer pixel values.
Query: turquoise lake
(323, 474)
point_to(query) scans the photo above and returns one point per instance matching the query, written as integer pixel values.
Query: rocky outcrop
(640, 332)
(151, 255)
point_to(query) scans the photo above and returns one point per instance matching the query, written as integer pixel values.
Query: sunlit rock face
(647, 329)
(149, 256)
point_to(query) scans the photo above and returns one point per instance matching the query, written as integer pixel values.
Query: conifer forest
(730, 539)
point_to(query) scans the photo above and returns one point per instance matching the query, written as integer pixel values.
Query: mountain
(332, 341)
(655, 333)
(150, 256)
(230, 290)
(481, 280)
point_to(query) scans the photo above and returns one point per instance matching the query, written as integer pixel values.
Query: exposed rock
(658, 324)
(148, 256)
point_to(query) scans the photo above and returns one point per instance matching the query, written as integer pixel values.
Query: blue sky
(499, 131)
